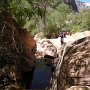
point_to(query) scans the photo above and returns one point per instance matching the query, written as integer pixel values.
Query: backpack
(62, 35)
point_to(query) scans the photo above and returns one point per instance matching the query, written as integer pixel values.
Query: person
(63, 35)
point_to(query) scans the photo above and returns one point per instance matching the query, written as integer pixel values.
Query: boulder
(47, 47)
(16, 55)
(42, 44)
(86, 33)
(76, 36)
(79, 88)
(75, 68)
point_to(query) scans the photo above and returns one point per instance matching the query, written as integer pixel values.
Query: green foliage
(56, 18)
(79, 21)
(88, 22)
(22, 11)
(76, 28)
(63, 8)
(31, 25)
(86, 19)
(26, 13)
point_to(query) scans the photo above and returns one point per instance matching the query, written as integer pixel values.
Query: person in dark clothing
(63, 35)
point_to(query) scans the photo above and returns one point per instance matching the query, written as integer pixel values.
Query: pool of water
(42, 75)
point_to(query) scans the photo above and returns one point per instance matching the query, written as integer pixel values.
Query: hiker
(63, 35)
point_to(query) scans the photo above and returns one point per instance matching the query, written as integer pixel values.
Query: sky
(85, 0)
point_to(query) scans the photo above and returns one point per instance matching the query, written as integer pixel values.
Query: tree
(21, 10)
(85, 19)
(41, 7)
(56, 18)
(79, 21)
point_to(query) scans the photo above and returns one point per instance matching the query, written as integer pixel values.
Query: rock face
(75, 69)
(79, 88)
(72, 3)
(76, 36)
(16, 55)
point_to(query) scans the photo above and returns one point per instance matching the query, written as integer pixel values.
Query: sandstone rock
(75, 69)
(79, 88)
